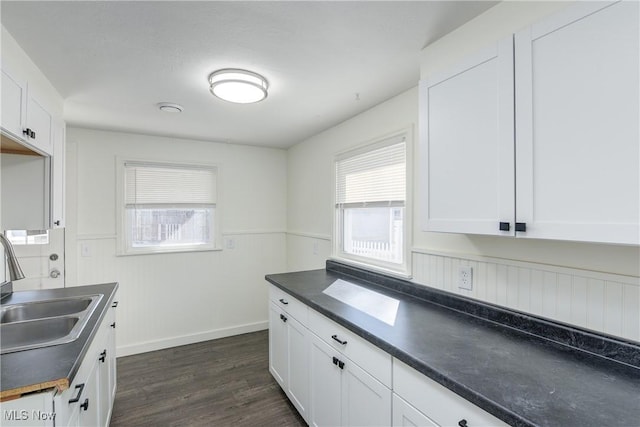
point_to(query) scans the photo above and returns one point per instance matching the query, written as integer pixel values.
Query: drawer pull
(113, 325)
(335, 337)
(462, 423)
(283, 317)
(77, 398)
(85, 405)
(284, 301)
(103, 355)
(115, 304)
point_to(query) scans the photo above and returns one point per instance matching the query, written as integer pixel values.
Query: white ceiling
(113, 61)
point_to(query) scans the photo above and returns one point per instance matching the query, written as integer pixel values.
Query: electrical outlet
(465, 277)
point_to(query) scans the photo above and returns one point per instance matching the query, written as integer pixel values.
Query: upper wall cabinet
(578, 142)
(24, 117)
(563, 165)
(467, 135)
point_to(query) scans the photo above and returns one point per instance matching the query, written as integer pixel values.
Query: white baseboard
(161, 344)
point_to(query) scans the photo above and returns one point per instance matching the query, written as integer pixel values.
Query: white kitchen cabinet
(33, 410)
(439, 405)
(342, 393)
(38, 122)
(467, 144)
(406, 415)
(277, 345)
(89, 405)
(289, 348)
(33, 188)
(577, 119)
(14, 103)
(325, 403)
(111, 356)
(570, 151)
(350, 378)
(58, 176)
(25, 117)
(106, 369)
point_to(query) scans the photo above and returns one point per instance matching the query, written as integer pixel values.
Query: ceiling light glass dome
(239, 86)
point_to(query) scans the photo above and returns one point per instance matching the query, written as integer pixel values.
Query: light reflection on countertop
(374, 304)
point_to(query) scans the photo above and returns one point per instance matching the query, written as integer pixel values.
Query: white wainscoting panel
(180, 298)
(307, 251)
(601, 302)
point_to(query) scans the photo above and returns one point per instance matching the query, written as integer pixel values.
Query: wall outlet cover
(465, 277)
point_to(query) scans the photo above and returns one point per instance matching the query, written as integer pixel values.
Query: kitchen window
(168, 207)
(370, 208)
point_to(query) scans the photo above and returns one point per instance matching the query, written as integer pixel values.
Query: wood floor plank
(224, 382)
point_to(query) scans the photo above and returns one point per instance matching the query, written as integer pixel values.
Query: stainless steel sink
(41, 309)
(37, 324)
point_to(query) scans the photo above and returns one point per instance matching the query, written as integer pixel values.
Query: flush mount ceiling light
(239, 86)
(168, 107)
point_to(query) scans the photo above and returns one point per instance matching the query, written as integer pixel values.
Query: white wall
(173, 299)
(310, 166)
(590, 285)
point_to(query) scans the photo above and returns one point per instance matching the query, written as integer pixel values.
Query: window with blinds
(370, 203)
(169, 207)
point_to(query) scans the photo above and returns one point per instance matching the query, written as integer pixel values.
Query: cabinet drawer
(366, 355)
(437, 402)
(289, 304)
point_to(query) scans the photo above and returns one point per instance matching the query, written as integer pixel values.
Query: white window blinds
(373, 178)
(151, 184)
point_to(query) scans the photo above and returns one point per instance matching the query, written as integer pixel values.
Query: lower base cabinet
(288, 353)
(418, 400)
(336, 378)
(342, 393)
(405, 415)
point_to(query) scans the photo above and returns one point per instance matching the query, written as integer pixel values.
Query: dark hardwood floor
(224, 382)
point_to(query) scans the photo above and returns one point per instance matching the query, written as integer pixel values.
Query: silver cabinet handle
(55, 273)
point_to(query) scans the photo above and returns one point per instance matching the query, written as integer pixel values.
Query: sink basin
(25, 326)
(25, 335)
(42, 309)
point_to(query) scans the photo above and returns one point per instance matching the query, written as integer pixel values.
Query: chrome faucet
(15, 272)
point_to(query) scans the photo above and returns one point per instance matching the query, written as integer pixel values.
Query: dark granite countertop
(524, 370)
(38, 368)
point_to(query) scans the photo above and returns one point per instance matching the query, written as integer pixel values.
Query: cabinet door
(298, 366)
(58, 176)
(38, 120)
(89, 402)
(103, 401)
(325, 397)
(467, 143)
(33, 410)
(366, 401)
(278, 345)
(13, 103)
(111, 348)
(577, 124)
(405, 415)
